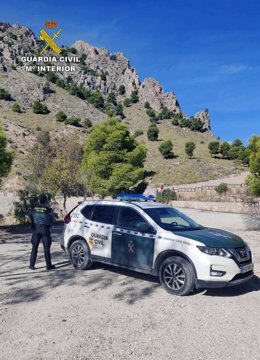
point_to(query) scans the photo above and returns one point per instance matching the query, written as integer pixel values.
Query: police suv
(149, 237)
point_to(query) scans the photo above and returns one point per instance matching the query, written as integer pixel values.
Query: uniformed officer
(42, 218)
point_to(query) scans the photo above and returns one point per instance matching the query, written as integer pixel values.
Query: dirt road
(106, 313)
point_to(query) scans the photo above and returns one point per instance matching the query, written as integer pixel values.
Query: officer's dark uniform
(42, 218)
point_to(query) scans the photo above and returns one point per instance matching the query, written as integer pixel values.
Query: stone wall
(228, 207)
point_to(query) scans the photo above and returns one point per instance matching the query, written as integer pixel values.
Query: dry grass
(180, 169)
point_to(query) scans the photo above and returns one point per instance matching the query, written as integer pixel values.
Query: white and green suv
(154, 238)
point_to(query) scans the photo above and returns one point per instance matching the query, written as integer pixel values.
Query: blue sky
(206, 51)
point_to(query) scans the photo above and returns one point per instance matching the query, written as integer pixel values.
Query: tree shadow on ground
(22, 285)
(149, 173)
(133, 292)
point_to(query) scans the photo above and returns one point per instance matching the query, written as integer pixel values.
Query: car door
(99, 230)
(131, 246)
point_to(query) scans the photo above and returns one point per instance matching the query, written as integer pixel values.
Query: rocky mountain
(98, 70)
(103, 84)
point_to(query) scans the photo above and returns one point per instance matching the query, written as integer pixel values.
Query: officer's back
(42, 218)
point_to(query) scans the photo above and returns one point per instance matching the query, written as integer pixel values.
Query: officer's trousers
(45, 236)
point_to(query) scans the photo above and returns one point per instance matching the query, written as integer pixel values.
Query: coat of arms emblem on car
(131, 246)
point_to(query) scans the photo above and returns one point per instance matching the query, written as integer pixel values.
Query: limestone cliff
(98, 70)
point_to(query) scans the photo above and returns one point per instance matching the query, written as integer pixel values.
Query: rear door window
(105, 214)
(87, 211)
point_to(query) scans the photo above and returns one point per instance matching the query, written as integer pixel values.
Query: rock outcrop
(25, 88)
(107, 72)
(151, 91)
(16, 41)
(204, 117)
(98, 70)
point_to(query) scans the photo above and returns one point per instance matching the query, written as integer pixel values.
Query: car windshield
(172, 219)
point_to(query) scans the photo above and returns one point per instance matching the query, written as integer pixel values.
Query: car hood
(213, 237)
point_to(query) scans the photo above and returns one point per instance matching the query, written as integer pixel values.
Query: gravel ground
(106, 313)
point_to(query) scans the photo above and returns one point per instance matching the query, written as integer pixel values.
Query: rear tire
(177, 275)
(80, 255)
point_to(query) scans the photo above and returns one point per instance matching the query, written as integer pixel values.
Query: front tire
(80, 255)
(177, 275)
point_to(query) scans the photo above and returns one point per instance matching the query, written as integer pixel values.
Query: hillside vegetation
(22, 129)
(180, 169)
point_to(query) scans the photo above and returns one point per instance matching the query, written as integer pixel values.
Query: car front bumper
(237, 280)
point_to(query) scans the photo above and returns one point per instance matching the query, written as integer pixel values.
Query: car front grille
(241, 254)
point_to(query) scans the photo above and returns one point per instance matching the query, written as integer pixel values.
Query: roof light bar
(135, 197)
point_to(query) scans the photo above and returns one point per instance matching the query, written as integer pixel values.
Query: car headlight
(214, 251)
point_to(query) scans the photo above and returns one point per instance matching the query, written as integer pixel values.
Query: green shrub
(147, 105)
(27, 200)
(138, 133)
(121, 89)
(253, 185)
(87, 123)
(82, 59)
(51, 77)
(166, 195)
(221, 188)
(213, 147)
(189, 148)
(165, 113)
(113, 57)
(184, 122)
(4, 95)
(61, 83)
(103, 76)
(244, 155)
(75, 121)
(237, 142)
(134, 98)
(225, 150)
(64, 51)
(97, 99)
(127, 102)
(73, 50)
(153, 132)
(119, 110)
(196, 124)
(175, 122)
(153, 120)
(61, 116)
(39, 108)
(111, 98)
(16, 108)
(151, 113)
(166, 149)
(13, 36)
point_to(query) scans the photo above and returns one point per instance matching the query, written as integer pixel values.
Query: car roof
(140, 204)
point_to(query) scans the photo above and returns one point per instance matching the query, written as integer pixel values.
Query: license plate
(246, 268)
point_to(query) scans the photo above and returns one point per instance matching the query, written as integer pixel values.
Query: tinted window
(129, 218)
(87, 211)
(104, 214)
